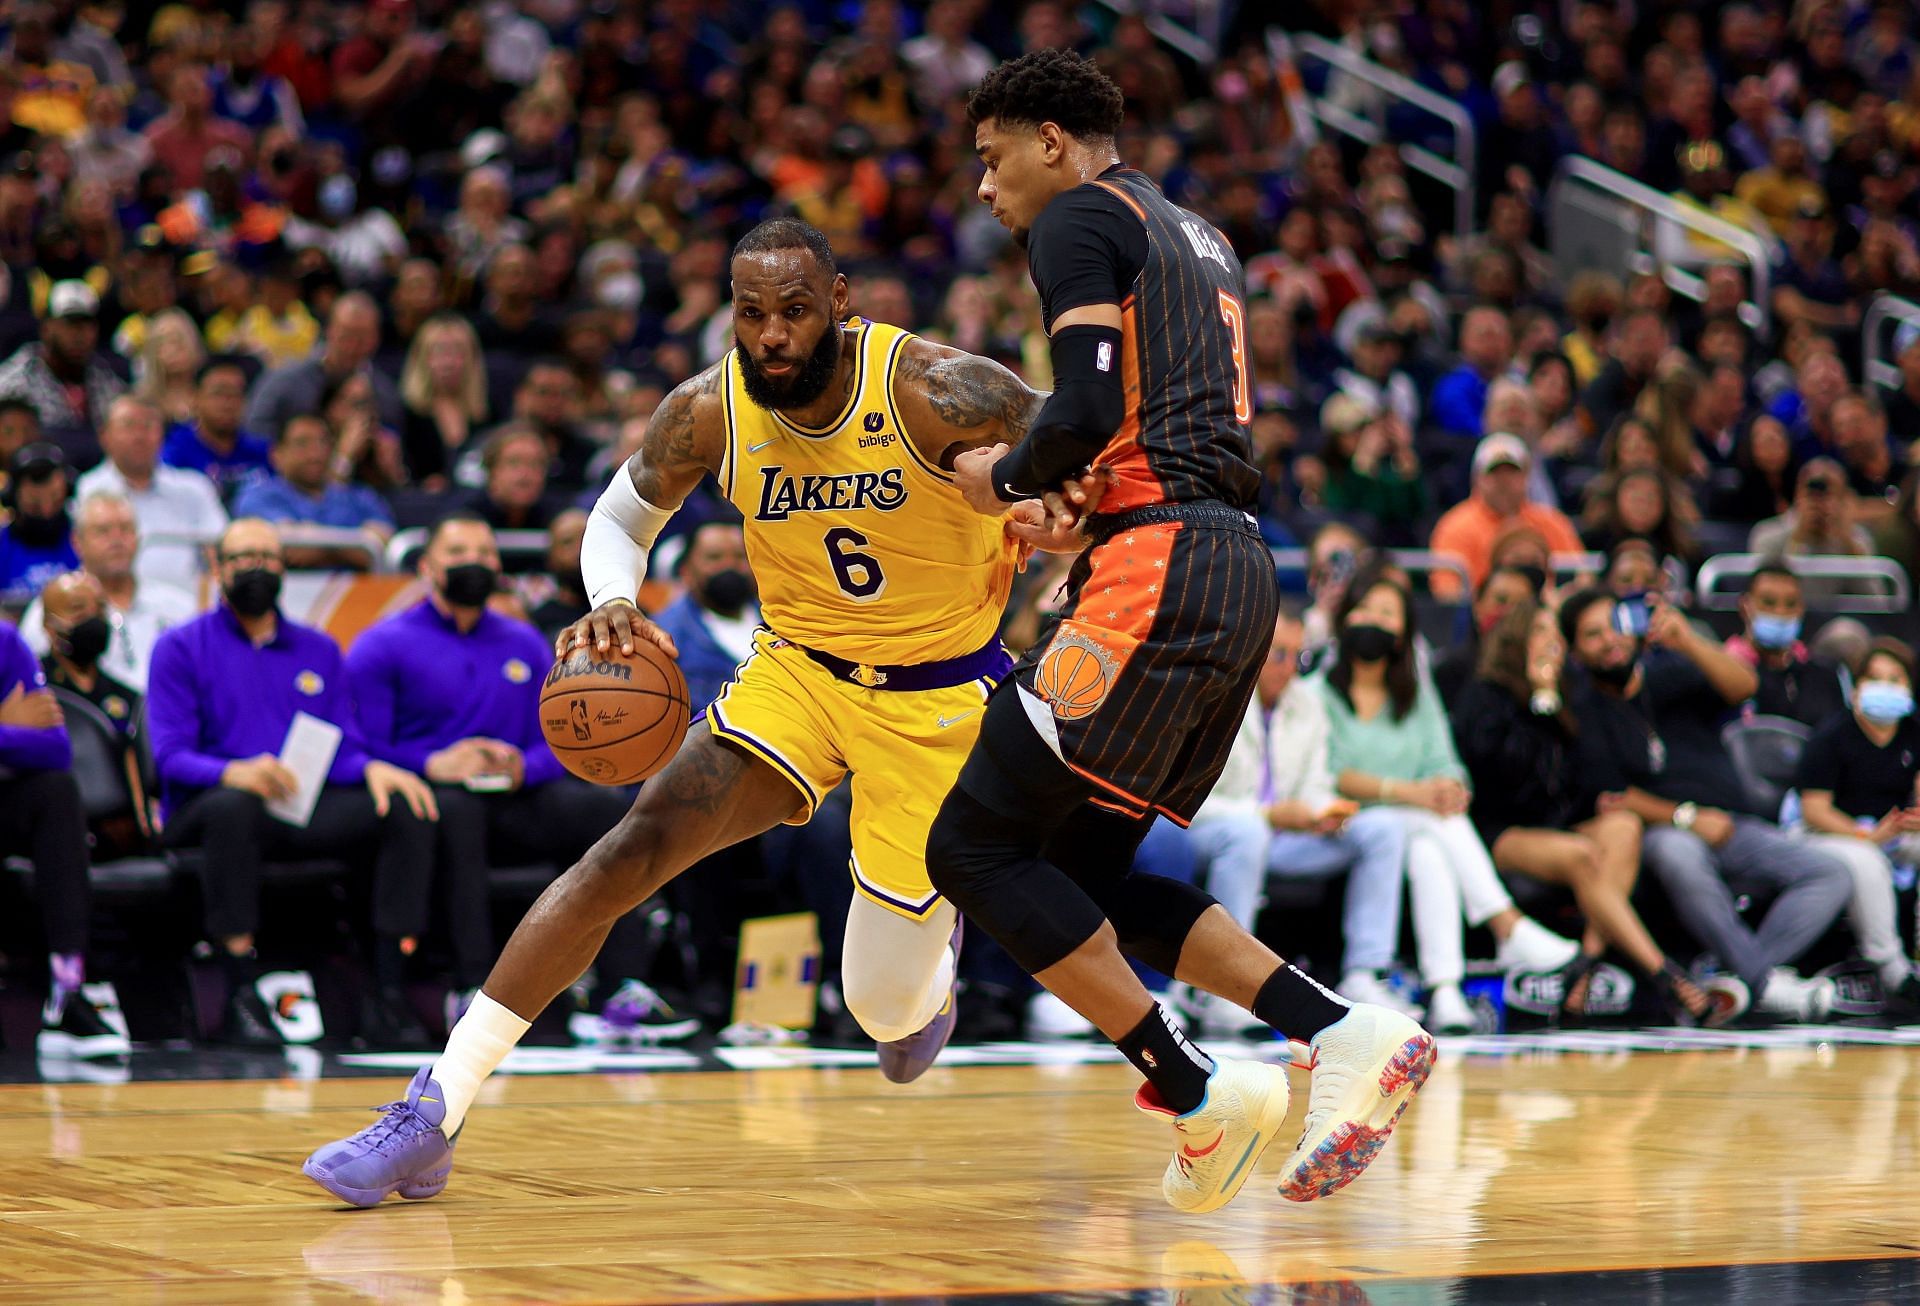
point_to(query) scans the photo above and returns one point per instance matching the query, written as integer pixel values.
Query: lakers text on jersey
(863, 550)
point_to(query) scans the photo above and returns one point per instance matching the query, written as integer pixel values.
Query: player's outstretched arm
(683, 443)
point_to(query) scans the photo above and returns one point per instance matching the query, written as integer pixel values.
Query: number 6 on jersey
(859, 573)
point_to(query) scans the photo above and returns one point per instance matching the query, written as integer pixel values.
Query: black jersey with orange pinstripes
(1183, 336)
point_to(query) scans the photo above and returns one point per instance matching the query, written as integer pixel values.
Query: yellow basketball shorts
(903, 748)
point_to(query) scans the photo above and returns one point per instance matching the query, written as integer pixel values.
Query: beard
(797, 388)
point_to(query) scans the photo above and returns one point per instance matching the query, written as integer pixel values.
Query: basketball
(615, 719)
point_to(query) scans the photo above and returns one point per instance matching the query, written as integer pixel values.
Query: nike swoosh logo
(425, 1098)
(756, 448)
(1187, 1149)
(946, 721)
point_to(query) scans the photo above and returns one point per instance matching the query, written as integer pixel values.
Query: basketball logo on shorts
(1074, 677)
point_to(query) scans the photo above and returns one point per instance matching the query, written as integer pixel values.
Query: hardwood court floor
(1018, 1180)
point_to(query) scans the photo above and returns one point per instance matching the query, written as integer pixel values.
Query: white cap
(1345, 412)
(484, 146)
(1501, 451)
(1510, 77)
(72, 299)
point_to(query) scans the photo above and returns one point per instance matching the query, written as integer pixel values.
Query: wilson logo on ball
(1074, 677)
(582, 665)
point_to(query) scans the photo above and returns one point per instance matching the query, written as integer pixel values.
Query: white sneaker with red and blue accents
(1366, 1068)
(1218, 1143)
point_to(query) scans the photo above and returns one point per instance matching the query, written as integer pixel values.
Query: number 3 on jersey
(859, 573)
(1236, 319)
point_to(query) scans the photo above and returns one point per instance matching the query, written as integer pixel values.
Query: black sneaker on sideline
(246, 1022)
(73, 1027)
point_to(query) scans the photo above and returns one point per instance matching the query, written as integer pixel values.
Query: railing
(1624, 229)
(404, 549)
(1837, 571)
(1416, 562)
(1200, 42)
(294, 535)
(1567, 565)
(1883, 312)
(1457, 173)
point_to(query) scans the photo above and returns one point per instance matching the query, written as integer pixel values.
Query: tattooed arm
(952, 401)
(955, 403)
(684, 440)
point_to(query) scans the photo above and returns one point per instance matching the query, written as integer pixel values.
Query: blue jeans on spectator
(1811, 888)
(1231, 849)
(1372, 849)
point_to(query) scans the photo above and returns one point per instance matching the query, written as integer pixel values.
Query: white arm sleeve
(620, 531)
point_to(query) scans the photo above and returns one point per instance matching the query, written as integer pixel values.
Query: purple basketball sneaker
(403, 1152)
(906, 1059)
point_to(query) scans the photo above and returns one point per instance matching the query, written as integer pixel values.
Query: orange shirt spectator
(1499, 501)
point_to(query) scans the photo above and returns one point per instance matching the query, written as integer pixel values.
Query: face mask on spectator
(253, 592)
(726, 592)
(470, 584)
(1775, 632)
(1362, 643)
(1885, 702)
(87, 640)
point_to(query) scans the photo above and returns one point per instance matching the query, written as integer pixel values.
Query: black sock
(1296, 1005)
(1175, 1067)
(389, 963)
(242, 969)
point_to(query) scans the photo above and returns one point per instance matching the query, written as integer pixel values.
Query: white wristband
(620, 531)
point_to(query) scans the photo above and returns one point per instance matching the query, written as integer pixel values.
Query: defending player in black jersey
(1127, 705)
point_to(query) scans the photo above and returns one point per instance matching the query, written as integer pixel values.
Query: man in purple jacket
(41, 817)
(450, 690)
(222, 693)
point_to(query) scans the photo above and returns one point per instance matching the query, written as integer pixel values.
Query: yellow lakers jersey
(862, 549)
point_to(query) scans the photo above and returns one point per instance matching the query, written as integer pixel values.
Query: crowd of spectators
(361, 267)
